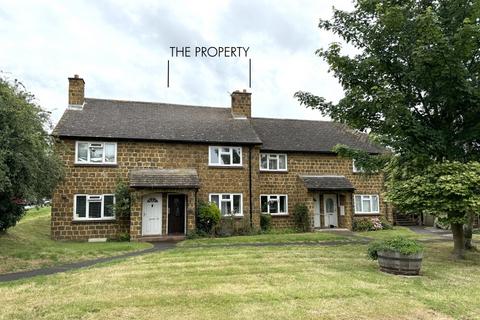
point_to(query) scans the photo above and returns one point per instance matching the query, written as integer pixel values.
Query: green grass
(268, 238)
(397, 231)
(28, 245)
(292, 282)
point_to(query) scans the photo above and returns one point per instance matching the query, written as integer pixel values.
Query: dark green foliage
(122, 237)
(398, 244)
(123, 199)
(29, 170)
(363, 224)
(208, 217)
(265, 222)
(386, 225)
(301, 217)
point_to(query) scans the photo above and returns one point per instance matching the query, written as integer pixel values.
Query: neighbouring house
(173, 156)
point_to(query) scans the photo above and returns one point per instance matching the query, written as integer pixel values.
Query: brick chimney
(241, 104)
(76, 92)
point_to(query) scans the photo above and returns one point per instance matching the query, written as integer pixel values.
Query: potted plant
(398, 255)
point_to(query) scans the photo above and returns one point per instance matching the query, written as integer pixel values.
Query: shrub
(386, 225)
(123, 199)
(301, 218)
(123, 236)
(398, 244)
(195, 234)
(208, 217)
(265, 222)
(363, 224)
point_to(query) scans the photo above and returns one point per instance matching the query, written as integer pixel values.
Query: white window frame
(87, 218)
(366, 197)
(240, 214)
(220, 152)
(269, 155)
(88, 153)
(278, 200)
(356, 169)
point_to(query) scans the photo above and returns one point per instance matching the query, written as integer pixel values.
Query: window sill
(273, 171)
(232, 216)
(367, 214)
(78, 221)
(212, 166)
(279, 214)
(111, 165)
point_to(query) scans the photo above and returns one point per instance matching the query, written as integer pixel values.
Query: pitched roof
(308, 136)
(164, 178)
(325, 183)
(154, 121)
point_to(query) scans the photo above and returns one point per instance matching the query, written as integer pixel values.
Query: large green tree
(414, 83)
(29, 169)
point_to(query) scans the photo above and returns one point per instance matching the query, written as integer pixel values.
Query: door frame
(184, 214)
(317, 210)
(335, 198)
(158, 196)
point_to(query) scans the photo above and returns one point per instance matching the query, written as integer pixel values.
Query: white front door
(316, 216)
(330, 206)
(152, 215)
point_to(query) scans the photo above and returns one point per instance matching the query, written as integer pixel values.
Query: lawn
(28, 245)
(245, 282)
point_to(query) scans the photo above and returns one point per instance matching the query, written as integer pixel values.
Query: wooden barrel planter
(397, 263)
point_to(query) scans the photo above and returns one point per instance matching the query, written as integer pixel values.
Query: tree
(29, 170)
(414, 85)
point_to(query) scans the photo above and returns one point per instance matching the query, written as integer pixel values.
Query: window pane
(272, 163)
(366, 205)
(329, 206)
(264, 203)
(225, 158)
(82, 155)
(263, 161)
(214, 155)
(214, 198)
(94, 209)
(273, 205)
(108, 206)
(236, 204)
(358, 204)
(96, 152)
(282, 164)
(81, 206)
(283, 204)
(226, 197)
(236, 155)
(375, 203)
(109, 152)
(226, 207)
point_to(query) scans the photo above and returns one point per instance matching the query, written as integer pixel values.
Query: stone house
(173, 156)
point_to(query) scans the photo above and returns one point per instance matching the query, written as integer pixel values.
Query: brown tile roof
(154, 121)
(164, 178)
(308, 136)
(326, 183)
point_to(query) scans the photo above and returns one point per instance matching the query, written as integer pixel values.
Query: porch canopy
(164, 178)
(327, 183)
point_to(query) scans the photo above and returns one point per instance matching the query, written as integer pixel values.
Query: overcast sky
(121, 49)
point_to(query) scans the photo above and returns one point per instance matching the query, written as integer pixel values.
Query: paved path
(431, 231)
(158, 246)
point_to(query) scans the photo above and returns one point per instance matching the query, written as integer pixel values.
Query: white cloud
(121, 50)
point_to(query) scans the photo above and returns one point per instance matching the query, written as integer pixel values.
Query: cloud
(121, 49)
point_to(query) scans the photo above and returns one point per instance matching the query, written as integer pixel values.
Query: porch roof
(164, 178)
(320, 183)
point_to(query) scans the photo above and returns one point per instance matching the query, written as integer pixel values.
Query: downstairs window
(94, 207)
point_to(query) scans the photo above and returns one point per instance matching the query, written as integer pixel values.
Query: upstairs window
(225, 156)
(274, 204)
(366, 204)
(94, 207)
(96, 152)
(229, 204)
(273, 162)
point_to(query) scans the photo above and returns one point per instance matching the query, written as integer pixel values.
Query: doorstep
(162, 238)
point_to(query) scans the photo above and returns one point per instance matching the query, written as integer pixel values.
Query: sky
(121, 48)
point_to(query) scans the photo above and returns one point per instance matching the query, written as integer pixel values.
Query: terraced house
(173, 156)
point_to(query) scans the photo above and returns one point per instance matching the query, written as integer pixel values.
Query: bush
(122, 236)
(363, 224)
(398, 244)
(386, 225)
(195, 234)
(208, 217)
(122, 199)
(265, 222)
(301, 218)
